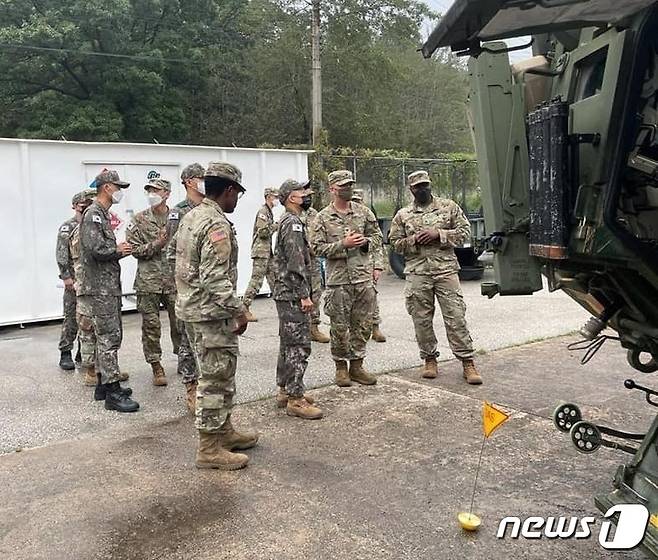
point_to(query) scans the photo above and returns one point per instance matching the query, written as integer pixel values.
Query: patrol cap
(357, 195)
(291, 185)
(225, 170)
(340, 178)
(159, 184)
(192, 171)
(269, 191)
(84, 196)
(110, 176)
(418, 177)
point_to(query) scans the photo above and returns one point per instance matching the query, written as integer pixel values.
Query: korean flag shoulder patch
(297, 227)
(64, 229)
(173, 216)
(96, 219)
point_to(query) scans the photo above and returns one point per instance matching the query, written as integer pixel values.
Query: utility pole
(317, 73)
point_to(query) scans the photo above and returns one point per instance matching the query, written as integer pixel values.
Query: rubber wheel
(397, 263)
(471, 273)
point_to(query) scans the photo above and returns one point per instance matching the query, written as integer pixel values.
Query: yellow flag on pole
(492, 418)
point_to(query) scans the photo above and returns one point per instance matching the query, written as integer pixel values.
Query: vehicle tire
(471, 273)
(397, 262)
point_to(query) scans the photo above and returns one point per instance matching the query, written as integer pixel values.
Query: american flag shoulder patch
(218, 236)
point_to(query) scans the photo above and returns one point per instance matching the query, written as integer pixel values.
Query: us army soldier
(99, 287)
(426, 233)
(292, 293)
(154, 281)
(206, 278)
(377, 334)
(345, 233)
(192, 179)
(67, 275)
(261, 251)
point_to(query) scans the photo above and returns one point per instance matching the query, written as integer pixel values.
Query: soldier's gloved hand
(427, 236)
(240, 324)
(124, 249)
(307, 305)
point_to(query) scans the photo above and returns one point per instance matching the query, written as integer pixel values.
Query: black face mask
(423, 195)
(307, 202)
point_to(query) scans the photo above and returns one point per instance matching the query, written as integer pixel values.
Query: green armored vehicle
(567, 146)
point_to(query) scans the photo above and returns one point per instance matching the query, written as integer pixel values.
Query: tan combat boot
(360, 375)
(190, 396)
(470, 373)
(123, 376)
(211, 455)
(300, 407)
(232, 440)
(282, 398)
(90, 378)
(318, 336)
(159, 377)
(377, 334)
(251, 318)
(342, 375)
(430, 371)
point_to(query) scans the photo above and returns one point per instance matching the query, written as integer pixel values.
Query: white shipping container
(40, 177)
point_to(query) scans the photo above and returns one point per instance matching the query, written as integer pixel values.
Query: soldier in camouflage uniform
(377, 334)
(67, 275)
(261, 251)
(346, 233)
(292, 294)
(206, 279)
(426, 233)
(192, 179)
(154, 281)
(99, 288)
(307, 216)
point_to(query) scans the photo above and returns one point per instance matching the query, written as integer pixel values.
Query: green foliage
(225, 72)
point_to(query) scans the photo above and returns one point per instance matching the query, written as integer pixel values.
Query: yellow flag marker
(492, 418)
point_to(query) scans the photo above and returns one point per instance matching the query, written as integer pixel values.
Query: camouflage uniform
(66, 271)
(432, 272)
(186, 363)
(206, 278)
(307, 218)
(294, 267)
(154, 282)
(349, 299)
(261, 254)
(86, 335)
(99, 288)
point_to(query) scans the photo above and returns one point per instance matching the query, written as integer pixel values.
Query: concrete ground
(383, 475)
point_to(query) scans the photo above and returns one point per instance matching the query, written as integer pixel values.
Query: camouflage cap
(159, 184)
(84, 196)
(110, 176)
(269, 191)
(340, 178)
(418, 177)
(225, 170)
(192, 171)
(357, 195)
(291, 185)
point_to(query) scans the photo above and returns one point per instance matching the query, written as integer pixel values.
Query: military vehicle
(567, 147)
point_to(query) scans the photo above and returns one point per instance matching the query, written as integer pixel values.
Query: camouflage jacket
(347, 266)
(307, 217)
(99, 261)
(154, 275)
(62, 252)
(206, 265)
(264, 228)
(173, 221)
(441, 215)
(74, 249)
(293, 260)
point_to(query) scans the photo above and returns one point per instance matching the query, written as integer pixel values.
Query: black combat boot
(100, 392)
(66, 361)
(115, 399)
(78, 357)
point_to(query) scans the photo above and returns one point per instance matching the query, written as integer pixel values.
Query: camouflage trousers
(294, 347)
(316, 289)
(376, 317)
(105, 317)
(260, 268)
(186, 363)
(420, 292)
(86, 334)
(350, 308)
(70, 324)
(149, 306)
(216, 352)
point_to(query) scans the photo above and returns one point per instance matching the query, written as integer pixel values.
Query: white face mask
(154, 199)
(117, 196)
(201, 187)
